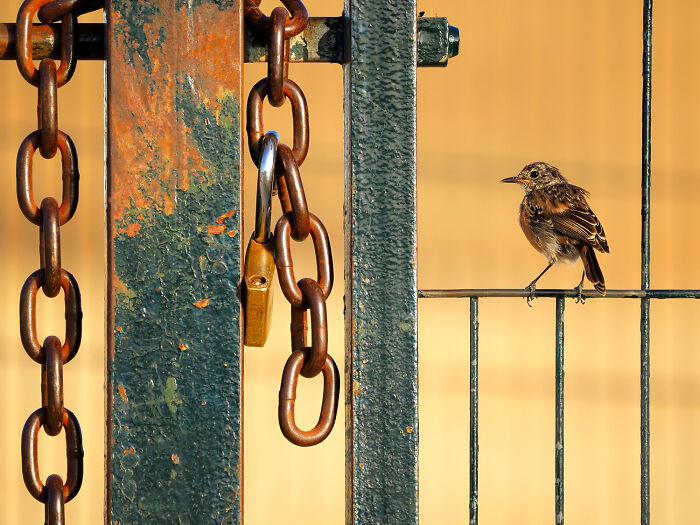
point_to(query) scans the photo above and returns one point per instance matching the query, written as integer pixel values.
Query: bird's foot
(579, 294)
(530, 288)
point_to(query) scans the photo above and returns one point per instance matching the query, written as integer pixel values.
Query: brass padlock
(259, 278)
(259, 266)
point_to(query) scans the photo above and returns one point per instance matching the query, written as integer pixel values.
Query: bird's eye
(534, 174)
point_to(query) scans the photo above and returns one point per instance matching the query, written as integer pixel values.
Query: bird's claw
(579, 294)
(530, 288)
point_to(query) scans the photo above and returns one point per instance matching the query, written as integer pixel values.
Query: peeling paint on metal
(202, 303)
(174, 153)
(122, 393)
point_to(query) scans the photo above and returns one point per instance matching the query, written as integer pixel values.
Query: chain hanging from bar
(53, 416)
(296, 223)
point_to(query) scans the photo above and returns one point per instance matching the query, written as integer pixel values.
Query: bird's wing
(577, 220)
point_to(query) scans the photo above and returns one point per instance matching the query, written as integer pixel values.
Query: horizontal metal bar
(322, 41)
(46, 41)
(587, 294)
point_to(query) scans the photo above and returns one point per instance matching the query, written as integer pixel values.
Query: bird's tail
(592, 268)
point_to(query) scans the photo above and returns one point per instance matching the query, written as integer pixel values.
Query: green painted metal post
(380, 276)
(174, 391)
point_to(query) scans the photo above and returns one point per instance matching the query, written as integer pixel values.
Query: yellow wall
(536, 80)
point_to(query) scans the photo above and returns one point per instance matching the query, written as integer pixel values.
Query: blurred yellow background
(536, 80)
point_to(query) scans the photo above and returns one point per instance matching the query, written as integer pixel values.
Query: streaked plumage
(558, 222)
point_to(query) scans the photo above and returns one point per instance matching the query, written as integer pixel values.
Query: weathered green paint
(174, 321)
(437, 41)
(323, 40)
(380, 276)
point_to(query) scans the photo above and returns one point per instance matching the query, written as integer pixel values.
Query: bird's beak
(512, 179)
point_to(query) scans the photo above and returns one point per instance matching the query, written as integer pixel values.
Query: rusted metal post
(174, 361)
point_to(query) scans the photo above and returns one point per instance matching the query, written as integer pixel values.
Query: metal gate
(645, 294)
(159, 61)
(174, 255)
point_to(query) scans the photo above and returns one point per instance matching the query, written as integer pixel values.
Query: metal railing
(645, 294)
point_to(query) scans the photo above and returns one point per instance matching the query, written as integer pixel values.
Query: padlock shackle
(266, 179)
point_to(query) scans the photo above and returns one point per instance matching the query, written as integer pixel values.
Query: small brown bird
(559, 223)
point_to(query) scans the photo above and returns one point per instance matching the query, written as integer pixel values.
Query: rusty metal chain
(296, 223)
(53, 416)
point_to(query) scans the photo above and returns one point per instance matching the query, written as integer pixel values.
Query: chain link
(58, 8)
(288, 393)
(47, 108)
(30, 455)
(278, 57)
(23, 44)
(285, 264)
(291, 193)
(55, 501)
(25, 186)
(292, 27)
(313, 294)
(51, 277)
(296, 223)
(300, 116)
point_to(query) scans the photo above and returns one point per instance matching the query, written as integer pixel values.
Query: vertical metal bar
(174, 361)
(474, 411)
(646, 252)
(380, 272)
(646, 142)
(644, 426)
(559, 416)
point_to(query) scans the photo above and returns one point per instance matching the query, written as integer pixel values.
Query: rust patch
(356, 388)
(131, 230)
(129, 450)
(150, 156)
(122, 393)
(232, 233)
(175, 459)
(118, 285)
(216, 229)
(409, 430)
(182, 347)
(203, 303)
(225, 216)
